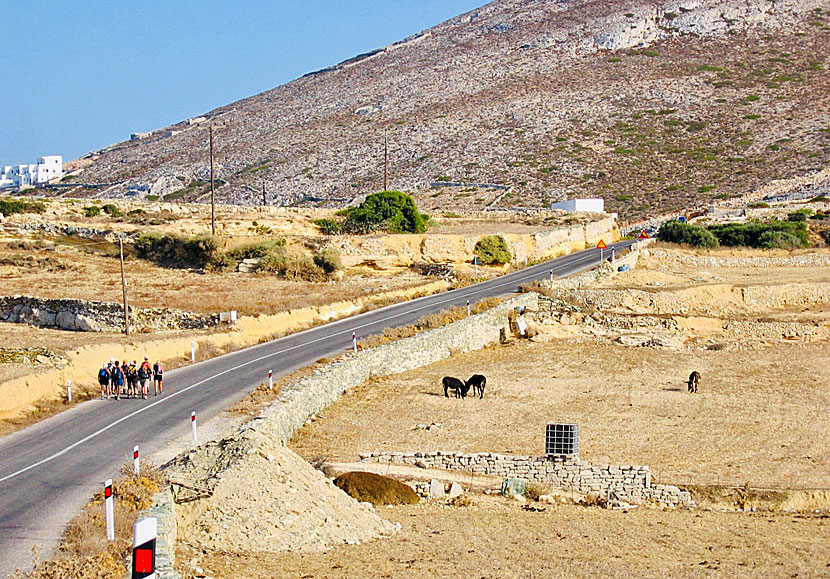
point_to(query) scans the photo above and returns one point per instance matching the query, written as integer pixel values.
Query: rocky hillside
(653, 105)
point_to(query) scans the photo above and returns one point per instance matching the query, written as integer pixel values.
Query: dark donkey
(477, 382)
(451, 383)
(694, 381)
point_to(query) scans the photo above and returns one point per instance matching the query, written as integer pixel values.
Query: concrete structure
(581, 205)
(46, 169)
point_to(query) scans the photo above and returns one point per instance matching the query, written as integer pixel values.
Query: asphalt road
(51, 469)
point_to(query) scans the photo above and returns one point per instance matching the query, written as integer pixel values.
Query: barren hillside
(651, 105)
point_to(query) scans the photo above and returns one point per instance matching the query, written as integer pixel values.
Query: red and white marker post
(135, 460)
(145, 533)
(110, 510)
(270, 380)
(468, 308)
(193, 426)
(354, 341)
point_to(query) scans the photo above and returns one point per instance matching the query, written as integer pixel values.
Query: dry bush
(428, 322)
(376, 489)
(207, 350)
(535, 490)
(594, 500)
(85, 552)
(464, 500)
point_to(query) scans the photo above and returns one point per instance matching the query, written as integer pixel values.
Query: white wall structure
(47, 168)
(581, 205)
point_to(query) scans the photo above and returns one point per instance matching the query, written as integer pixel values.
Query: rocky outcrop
(93, 316)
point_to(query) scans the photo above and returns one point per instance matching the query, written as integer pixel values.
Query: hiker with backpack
(144, 372)
(158, 372)
(131, 374)
(117, 379)
(104, 381)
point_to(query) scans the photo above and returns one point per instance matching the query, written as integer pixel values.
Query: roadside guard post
(270, 380)
(193, 426)
(110, 511)
(69, 390)
(145, 532)
(468, 307)
(135, 460)
(354, 341)
(192, 351)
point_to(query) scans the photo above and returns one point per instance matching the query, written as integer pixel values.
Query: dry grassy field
(497, 539)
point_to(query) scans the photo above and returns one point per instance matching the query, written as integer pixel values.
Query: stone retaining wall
(94, 316)
(164, 510)
(314, 393)
(628, 483)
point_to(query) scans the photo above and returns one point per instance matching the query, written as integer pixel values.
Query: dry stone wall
(94, 316)
(314, 393)
(627, 483)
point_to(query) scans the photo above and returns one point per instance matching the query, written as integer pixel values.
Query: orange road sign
(601, 244)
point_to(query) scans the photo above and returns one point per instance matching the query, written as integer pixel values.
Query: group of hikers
(130, 379)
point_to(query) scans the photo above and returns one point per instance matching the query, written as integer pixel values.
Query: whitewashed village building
(47, 168)
(581, 205)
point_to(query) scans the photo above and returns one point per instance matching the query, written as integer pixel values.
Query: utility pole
(264, 201)
(124, 288)
(212, 180)
(385, 160)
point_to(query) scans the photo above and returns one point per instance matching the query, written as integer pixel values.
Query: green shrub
(376, 489)
(111, 210)
(749, 234)
(778, 240)
(328, 260)
(825, 235)
(492, 249)
(175, 251)
(758, 205)
(9, 206)
(799, 215)
(679, 232)
(389, 211)
(92, 211)
(329, 226)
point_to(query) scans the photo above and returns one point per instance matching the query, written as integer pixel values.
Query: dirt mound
(263, 497)
(376, 489)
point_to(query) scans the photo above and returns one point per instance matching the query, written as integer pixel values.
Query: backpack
(117, 376)
(103, 376)
(130, 371)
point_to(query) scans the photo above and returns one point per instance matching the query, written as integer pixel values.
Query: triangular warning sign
(643, 234)
(601, 244)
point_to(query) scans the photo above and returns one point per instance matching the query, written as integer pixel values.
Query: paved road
(50, 470)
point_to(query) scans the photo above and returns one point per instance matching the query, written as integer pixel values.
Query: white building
(581, 205)
(46, 169)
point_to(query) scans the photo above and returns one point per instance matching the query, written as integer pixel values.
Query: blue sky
(80, 75)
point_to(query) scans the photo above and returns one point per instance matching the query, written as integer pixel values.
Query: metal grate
(561, 439)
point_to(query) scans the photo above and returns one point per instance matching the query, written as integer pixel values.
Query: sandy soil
(497, 538)
(761, 415)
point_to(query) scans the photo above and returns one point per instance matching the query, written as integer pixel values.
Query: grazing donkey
(477, 382)
(451, 383)
(694, 380)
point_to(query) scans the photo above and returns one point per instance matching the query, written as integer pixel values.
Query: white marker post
(468, 308)
(145, 533)
(69, 390)
(551, 275)
(110, 511)
(192, 351)
(135, 460)
(193, 426)
(270, 380)
(354, 342)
